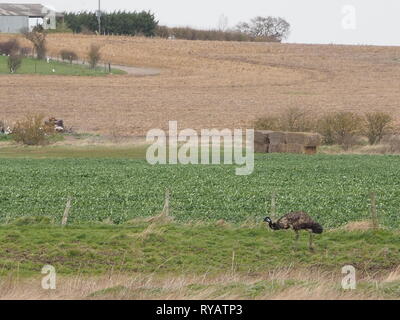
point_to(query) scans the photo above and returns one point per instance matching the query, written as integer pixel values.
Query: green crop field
(333, 189)
(34, 66)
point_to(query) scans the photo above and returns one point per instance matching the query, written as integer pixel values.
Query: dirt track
(130, 70)
(138, 72)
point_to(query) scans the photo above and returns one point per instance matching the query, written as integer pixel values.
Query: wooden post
(109, 67)
(166, 204)
(273, 206)
(374, 214)
(66, 212)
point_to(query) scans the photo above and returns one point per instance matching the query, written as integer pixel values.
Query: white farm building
(17, 17)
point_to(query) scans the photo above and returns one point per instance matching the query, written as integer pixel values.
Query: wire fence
(184, 207)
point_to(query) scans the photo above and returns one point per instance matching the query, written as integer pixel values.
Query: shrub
(343, 128)
(163, 32)
(340, 128)
(377, 124)
(9, 47)
(14, 62)
(296, 120)
(326, 128)
(94, 55)
(68, 55)
(38, 39)
(32, 131)
(392, 143)
(25, 51)
(292, 119)
(187, 33)
(268, 123)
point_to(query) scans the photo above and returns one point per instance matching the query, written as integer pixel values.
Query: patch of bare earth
(205, 84)
(358, 226)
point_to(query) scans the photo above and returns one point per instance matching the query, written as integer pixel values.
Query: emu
(297, 221)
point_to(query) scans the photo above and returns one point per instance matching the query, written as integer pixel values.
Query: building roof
(26, 10)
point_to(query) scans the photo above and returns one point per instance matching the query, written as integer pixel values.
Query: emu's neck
(273, 226)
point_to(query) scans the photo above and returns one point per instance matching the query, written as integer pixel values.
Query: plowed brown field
(205, 84)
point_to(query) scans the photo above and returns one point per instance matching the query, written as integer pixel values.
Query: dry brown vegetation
(206, 84)
(280, 284)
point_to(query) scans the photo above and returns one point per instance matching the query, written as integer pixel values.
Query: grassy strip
(41, 67)
(4, 137)
(188, 249)
(73, 152)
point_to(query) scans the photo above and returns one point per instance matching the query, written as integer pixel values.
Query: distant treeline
(118, 22)
(263, 29)
(144, 23)
(188, 33)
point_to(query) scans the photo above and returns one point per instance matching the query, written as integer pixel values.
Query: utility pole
(98, 14)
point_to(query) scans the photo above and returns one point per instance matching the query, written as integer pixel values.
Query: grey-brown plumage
(296, 221)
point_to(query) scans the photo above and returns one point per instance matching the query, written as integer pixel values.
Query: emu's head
(268, 220)
(272, 225)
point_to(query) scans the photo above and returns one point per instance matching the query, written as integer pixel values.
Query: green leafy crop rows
(333, 189)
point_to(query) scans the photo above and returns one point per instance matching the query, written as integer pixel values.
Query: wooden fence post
(66, 212)
(273, 206)
(166, 204)
(374, 214)
(233, 263)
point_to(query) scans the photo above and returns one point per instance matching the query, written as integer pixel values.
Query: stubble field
(205, 84)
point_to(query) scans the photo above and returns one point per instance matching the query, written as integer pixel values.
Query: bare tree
(94, 55)
(377, 124)
(14, 62)
(38, 38)
(270, 28)
(68, 55)
(9, 47)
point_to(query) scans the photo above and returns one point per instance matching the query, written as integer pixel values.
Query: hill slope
(206, 84)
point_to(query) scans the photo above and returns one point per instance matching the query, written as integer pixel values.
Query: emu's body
(296, 221)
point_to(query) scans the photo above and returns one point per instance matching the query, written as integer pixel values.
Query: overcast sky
(313, 21)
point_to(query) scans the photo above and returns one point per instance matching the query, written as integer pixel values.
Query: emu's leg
(311, 246)
(296, 239)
